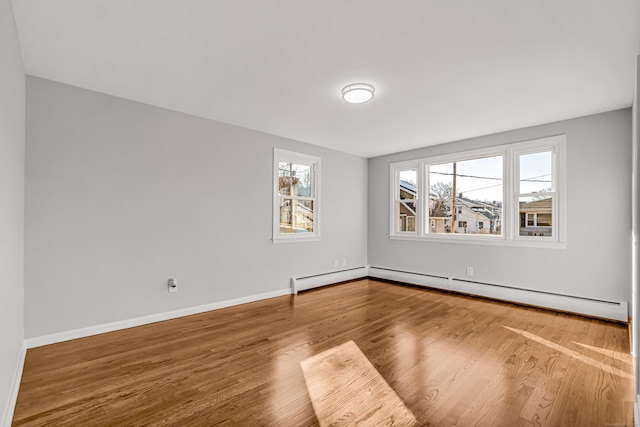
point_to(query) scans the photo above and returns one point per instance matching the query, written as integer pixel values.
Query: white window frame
(526, 220)
(558, 231)
(534, 218)
(510, 210)
(395, 197)
(280, 155)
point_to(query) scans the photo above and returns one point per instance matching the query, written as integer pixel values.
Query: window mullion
(511, 172)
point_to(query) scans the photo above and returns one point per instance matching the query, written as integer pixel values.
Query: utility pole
(453, 205)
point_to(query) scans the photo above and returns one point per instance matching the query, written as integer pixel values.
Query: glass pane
(543, 219)
(477, 201)
(284, 179)
(296, 216)
(407, 216)
(536, 172)
(536, 214)
(408, 184)
(440, 197)
(480, 179)
(294, 179)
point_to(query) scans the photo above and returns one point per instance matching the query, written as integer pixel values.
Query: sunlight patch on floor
(346, 389)
(574, 354)
(623, 357)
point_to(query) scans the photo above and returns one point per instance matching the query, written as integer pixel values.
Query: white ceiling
(444, 70)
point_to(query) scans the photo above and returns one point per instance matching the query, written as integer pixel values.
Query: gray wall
(12, 125)
(597, 260)
(121, 196)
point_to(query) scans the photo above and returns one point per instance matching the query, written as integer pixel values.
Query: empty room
(291, 213)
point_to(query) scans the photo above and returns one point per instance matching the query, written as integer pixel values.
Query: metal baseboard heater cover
(310, 282)
(614, 310)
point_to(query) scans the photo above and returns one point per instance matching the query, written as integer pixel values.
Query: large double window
(511, 194)
(295, 205)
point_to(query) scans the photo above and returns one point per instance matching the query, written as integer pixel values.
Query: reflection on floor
(346, 389)
(576, 355)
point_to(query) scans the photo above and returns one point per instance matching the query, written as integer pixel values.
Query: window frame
(281, 155)
(510, 203)
(395, 197)
(555, 229)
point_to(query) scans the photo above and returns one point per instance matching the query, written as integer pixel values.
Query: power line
(465, 176)
(499, 185)
(493, 178)
(531, 179)
(483, 188)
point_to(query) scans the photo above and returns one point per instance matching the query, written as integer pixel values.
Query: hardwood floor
(346, 389)
(448, 359)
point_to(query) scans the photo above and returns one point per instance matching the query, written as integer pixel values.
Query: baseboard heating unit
(614, 310)
(317, 280)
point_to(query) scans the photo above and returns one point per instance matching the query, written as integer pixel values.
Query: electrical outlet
(469, 271)
(344, 262)
(336, 263)
(173, 285)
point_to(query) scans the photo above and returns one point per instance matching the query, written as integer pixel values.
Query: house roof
(489, 215)
(279, 67)
(406, 185)
(542, 204)
(478, 203)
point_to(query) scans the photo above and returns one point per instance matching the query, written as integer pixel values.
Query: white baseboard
(144, 320)
(613, 310)
(310, 282)
(431, 281)
(15, 388)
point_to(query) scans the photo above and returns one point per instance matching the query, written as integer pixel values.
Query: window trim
(510, 215)
(305, 159)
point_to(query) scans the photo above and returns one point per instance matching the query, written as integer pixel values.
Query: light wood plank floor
(449, 360)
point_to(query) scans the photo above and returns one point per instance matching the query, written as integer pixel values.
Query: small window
(296, 182)
(536, 193)
(406, 199)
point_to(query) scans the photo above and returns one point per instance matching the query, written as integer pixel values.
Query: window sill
(486, 241)
(277, 240)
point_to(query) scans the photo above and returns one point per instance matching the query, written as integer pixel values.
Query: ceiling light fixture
(357, 93)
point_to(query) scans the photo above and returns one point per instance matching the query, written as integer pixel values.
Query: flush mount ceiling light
(357, 93)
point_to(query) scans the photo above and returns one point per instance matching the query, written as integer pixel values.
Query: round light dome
(357, 93)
